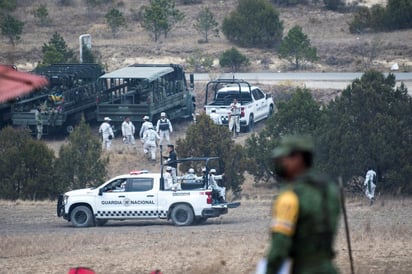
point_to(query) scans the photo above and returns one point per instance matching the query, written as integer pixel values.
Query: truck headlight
(65, 198)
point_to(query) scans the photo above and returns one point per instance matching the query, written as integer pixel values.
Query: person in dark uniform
(170, 158)
(305, 214)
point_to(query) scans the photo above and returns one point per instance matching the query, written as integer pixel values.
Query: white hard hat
(213, 170)
(163, 114)
(204, 169)
(107, 119)
(191, 170)
(146, 117)
(168, 168)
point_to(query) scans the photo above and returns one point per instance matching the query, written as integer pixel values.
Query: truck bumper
(60, 208)
(214, 212)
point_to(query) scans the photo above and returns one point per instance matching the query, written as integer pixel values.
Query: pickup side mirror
(100, 191)
(267, 96)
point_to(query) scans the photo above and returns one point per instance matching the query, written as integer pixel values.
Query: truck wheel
(270, 111)
(100, 222)
(81, 216)
(251, 124)
(182, 215)
(200, 220)
(69, 128)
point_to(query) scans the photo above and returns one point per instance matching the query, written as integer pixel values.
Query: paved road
(336, 80)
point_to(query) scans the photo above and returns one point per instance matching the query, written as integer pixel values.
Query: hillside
(338, 49)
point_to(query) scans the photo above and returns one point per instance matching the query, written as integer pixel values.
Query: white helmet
(168, 168)
(146, 118)
(191, 170)
(204, 169)
(163, 114)
(213, 170)
(107, 119)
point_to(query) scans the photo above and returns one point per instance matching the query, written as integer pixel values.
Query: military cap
(292, 143)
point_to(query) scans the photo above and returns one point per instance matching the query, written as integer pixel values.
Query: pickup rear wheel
(200, 220)
(251, 124)
(182, 215)
(81, 216)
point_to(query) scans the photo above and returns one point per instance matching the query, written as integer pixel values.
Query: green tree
(199, 62)
(370, 124)
(296, 48)
(333, 4)
(206, 23)
(299, 114)
(115, 20)
(233, 59)
(205, 139)
(11, 28)
(254, 23)
(42, 14)
(80, 163)
(56, 51)
(399, 14)
(26, 166)
(160, 17)
(7, 5)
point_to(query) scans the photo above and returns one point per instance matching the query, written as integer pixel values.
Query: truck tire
(182, 215)
(100, 222)
(270, 111)
(200, 220)
(251, 124)
(81, 216)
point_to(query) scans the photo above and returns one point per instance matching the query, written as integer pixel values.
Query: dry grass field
(338, 49)
(34, 240)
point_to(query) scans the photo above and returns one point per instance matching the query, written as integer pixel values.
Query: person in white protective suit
(106, 131)
(234, 118)
(370, 184)
(213, 185)
(144, 126)
(189, 177)
(169, 182)
(215, 117)
(149, 146)
(164, 128)
(128, 131)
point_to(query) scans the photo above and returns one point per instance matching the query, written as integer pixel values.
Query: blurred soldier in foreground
(370, 184)
(305, 214)
(106, 131)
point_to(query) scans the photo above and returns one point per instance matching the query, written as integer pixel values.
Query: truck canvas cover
(150, 73)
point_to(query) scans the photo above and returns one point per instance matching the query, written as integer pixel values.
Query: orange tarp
(14, 83)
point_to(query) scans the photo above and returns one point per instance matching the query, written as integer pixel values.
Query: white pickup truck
(255, 104)
(139, 195)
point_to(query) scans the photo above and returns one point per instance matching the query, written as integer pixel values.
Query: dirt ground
(34, 240)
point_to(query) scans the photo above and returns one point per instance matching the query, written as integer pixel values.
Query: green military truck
(145, 89)
(71, 93)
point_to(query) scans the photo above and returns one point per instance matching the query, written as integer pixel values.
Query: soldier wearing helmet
(164, 128)
(144, 126)
(305, 214)
(214, 185)
(149, 142)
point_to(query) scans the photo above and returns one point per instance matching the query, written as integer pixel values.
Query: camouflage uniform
(304, 220)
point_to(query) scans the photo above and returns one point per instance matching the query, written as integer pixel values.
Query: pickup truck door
(141, 198)
(135, 199)
(259, 104)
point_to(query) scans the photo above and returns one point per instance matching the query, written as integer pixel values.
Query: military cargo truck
(71, 93)
(144, 89)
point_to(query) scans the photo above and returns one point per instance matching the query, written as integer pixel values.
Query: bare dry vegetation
(328, 31)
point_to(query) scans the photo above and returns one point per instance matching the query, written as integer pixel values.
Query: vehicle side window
(116, 185)
(258, 94)
(139, 184)
(261, 94)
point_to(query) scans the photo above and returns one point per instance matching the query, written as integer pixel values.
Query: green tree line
(32, 171)
(368, 125)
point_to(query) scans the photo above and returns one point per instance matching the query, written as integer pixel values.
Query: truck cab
(255, 104)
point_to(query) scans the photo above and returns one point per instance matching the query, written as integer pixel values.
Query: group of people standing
(150, 136)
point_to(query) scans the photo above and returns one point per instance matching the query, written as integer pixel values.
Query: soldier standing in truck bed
(305, 214)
